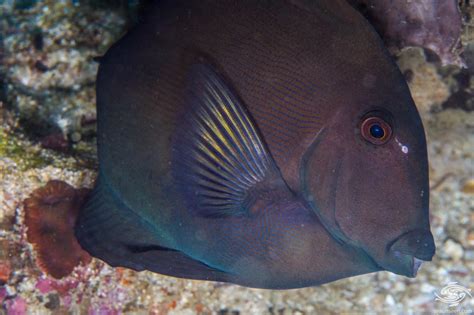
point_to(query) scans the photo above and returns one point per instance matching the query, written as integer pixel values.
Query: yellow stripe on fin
(219, 157)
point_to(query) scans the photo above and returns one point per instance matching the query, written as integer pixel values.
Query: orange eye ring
(376, 130)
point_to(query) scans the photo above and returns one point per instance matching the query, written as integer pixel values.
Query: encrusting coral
(432, 24)
(50, 214)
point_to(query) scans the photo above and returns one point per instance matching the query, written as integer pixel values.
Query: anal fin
(112, 232)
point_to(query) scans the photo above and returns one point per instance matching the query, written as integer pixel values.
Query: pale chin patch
(416, 265)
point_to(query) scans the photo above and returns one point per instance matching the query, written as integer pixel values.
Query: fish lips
(408, 265)
(407, 253)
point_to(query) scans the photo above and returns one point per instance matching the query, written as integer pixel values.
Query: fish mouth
(400, 263)
(416, 265)
(408, 265)
(407, 253)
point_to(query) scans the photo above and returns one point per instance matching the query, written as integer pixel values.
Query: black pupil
(376, 131)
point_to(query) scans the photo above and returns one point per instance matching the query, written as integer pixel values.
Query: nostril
(417, 243)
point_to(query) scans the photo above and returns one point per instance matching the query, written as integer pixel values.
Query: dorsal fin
(220, 158)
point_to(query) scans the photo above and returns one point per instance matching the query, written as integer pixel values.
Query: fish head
(365, 175)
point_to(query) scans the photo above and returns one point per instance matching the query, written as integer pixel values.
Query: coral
(426, 85)
(431, 24)
(89, 288)
(55, 141)
(13, 147)
(5, 263)
(16, 306)
(49, 64)
(50, 215)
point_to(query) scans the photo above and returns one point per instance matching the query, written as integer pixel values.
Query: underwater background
(48, 65)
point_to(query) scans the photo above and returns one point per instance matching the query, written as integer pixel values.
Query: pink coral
(16, 306)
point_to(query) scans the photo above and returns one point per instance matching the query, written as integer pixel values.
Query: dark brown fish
(271, 144)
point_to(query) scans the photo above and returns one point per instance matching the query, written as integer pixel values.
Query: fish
(269, 144)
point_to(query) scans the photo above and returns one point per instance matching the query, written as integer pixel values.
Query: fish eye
(376, 130)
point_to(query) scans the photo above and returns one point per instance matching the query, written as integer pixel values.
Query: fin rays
(220, 155)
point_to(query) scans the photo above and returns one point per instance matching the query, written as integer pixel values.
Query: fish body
(271, 144)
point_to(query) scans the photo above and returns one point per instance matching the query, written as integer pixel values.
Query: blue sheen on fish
(271, 144)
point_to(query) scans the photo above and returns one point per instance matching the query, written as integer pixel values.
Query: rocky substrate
(47, 131)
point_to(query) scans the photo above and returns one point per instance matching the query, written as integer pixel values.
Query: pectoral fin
(221, 162)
